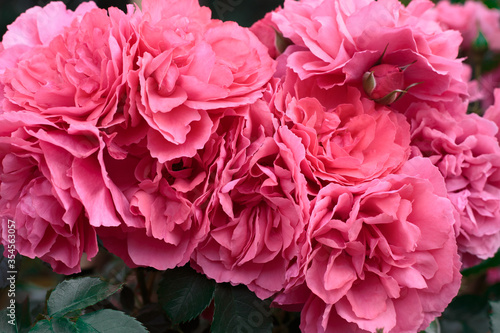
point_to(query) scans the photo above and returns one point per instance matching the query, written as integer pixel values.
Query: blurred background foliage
(245, 12)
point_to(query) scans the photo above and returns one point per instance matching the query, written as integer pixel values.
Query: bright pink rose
(467, 153)
(348, 141)
(470, 19)
(189, 68)
(258, 208)
(381, 255)
(78, 75)
(337, 42)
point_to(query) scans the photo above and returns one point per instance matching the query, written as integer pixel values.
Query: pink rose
(37, 27)
(189, 68)
(78, 75)
(348, 141)
(380, 255)
(161, 196)
(470, 19)
(336, 42)
(258, 208)
(467, 153)
(39, 190)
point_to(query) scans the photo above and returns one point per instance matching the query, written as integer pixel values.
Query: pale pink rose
(349, 139)
(338, 42)
(470, 19)
(37, 27)
(467, 153)
(381, 255)
(258, 208)
(77, 74)
(189, 68)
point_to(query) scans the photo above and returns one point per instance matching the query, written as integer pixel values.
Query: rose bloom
(380, 255)
(37, 27)
(189, 67)
(191, 73)
(348, 138)
(470, 19)
(75, 73)
(467, 154)
(44, 175)
(342, 42)
(162, 197)
(258, 207)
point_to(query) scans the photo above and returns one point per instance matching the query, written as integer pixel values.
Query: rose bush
(324, 158)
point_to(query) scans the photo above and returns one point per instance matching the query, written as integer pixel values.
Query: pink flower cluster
(480, 29)
(324, 157)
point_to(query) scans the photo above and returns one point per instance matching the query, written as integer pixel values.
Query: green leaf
(8, 323)
(492, 3)
(480, 44)
(109, 321)
(237, 309)
(184, 294)
(495, 317)
(467, 312)
(24, 316)
(77, 294)
(55, 325)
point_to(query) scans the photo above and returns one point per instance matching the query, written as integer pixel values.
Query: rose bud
(385, 83)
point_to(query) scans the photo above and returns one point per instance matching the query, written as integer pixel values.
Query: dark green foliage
(184, 293)
(238, 310)
(77, 294)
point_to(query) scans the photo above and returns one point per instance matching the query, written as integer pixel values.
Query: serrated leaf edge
(62, 312)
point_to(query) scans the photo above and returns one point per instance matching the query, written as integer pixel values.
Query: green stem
(141, 280)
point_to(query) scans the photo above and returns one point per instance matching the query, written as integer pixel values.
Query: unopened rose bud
(384, 83)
